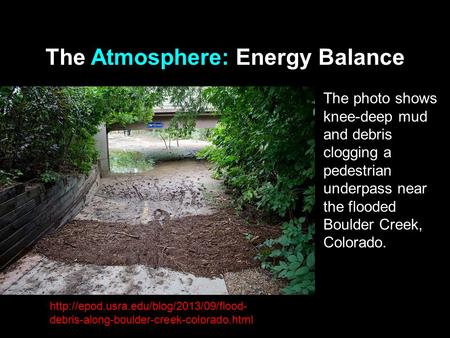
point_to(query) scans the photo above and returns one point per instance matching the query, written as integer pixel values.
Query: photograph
(162, 190)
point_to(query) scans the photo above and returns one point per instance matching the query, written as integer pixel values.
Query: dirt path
(175, 216)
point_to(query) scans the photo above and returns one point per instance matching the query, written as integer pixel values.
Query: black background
(377, 291)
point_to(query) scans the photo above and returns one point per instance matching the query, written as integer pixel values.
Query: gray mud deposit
(173, 189)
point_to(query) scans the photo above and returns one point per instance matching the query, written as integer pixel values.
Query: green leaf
(294, 266)
(275, 253)
(300, 257)
(302, 271)
(278, 268)
(310, 260)
(289, 274)
(292, 290)
(284, 240)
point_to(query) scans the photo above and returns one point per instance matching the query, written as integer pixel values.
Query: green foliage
(130, 162)
(265, 144)
(248, 236)
(309, 198)
(190, 101)
(82, 153)
(46, 128)
(124, 105)
(9, 177)
(202, 134)
(49, 177)
(216, 156)
(292, 256)
(264, 149)
(205, 153)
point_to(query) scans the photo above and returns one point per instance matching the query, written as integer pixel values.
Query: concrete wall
(101, 144)
(201, 122)
(27, 212)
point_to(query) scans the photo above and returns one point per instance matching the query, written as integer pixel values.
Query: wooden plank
(16, 236)
(77, 200)
(48, 204)
(60, 189)
(45, 217)
(11, 192)
(7, 219)
(8, 230)
(20, 199)
(21, 246)
(42, 210)
(69, 202)
(53, 205)
(55, 211)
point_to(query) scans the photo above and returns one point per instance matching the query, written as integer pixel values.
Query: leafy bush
(9, 177)
(292, 256)
(51, 129)
(46, 128)
(206, 152)
(124, 105)
(265, 144)
(82, 153)
(264, 149)
(202, 134)
(130, 162)
(49, 177)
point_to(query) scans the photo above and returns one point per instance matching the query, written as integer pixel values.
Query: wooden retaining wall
(27, 212)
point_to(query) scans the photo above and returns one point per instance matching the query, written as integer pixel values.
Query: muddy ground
(174, 217)
(173, 189)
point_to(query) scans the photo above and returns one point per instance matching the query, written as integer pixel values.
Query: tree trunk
(165, 143)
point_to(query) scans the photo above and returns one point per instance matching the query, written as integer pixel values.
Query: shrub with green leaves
(49, 177)
(51, 129)
(124, 105)
(46, 129)
(264, 150)
(291, 256)
(9, 177)
(130, 162)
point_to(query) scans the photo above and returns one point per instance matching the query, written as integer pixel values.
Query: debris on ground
(255, 281)
(204, 245)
